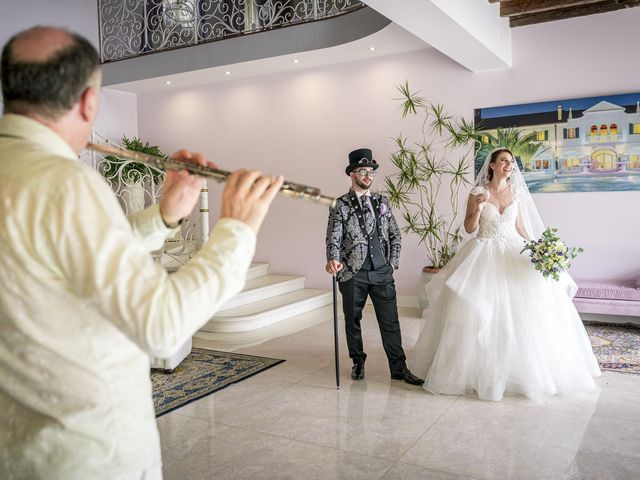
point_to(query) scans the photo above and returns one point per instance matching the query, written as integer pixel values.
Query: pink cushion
(607, 307)
(609, 291)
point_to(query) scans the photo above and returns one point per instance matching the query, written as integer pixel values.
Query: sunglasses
(363, 172)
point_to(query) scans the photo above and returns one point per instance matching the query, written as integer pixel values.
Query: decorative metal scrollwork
(129, 28)
(139, 186)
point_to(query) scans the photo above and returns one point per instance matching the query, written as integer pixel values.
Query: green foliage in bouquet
(134, 172)
(550, 255)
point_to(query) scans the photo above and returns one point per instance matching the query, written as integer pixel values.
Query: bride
(496, 325)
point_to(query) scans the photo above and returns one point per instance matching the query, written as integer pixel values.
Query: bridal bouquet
(550, 255)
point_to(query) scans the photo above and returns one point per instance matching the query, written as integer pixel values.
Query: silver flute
(288, 189)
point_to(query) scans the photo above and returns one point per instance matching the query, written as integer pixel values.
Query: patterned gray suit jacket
(348, 244)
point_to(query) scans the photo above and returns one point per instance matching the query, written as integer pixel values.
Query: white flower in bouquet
(550, 255)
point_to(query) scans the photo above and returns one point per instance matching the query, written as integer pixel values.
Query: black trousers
(380, 286)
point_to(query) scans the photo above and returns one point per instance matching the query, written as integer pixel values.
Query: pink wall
(79, 15)
(117, 115)
(303, 125)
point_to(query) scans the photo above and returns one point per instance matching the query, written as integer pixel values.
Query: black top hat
(361, 158)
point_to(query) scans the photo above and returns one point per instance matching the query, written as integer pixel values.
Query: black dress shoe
(357, 372)
(407, 377)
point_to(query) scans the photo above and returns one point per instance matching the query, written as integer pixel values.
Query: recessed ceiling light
(296, 60)
(168, 82)
(372, 49)
(227, 72)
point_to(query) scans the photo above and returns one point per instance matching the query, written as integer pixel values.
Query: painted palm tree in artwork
(523, 145)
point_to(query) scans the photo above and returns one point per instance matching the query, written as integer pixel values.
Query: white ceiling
(390, 40)
(470, 32)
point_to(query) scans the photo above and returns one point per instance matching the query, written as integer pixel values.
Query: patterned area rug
(617, 347)
(202, 373)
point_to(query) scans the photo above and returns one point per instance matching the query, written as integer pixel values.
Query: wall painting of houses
(584, 145)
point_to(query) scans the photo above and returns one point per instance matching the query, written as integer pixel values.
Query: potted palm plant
(430, 175)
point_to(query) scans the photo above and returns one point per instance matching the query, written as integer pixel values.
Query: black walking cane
(335, 330)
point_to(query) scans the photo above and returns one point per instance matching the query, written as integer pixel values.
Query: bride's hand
(481, 201)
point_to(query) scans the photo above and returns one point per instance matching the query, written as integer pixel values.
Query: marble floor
(291, 422)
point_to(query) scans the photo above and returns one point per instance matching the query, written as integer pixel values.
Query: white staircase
(268, 300)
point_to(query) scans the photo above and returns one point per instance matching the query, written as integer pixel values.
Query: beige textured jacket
(82, 306)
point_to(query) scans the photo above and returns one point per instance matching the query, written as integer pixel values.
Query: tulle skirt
(497, 326)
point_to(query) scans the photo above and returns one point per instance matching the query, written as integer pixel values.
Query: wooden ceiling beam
(525, 7)
(571, 12)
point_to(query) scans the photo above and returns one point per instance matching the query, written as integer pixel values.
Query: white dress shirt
(83, 305)
(365, 202)
(360, 194)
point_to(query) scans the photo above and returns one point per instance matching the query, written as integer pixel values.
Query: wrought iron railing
(138, 186)
(129, 28)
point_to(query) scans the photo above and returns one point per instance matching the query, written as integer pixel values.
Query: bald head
(45, 70)
(39, 44)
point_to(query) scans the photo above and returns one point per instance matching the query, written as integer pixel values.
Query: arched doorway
(604, 159)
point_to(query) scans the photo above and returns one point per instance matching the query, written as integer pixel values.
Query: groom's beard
(363, 185)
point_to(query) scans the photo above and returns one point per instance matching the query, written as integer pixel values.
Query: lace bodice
(499, 226)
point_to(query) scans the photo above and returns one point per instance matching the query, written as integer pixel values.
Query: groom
(363, 249)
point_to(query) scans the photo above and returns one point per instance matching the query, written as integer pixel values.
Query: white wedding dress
(497, 326)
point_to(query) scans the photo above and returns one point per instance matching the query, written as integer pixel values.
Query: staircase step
(268, 311)
(230, 341)
(257, 270)
(264, 286)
